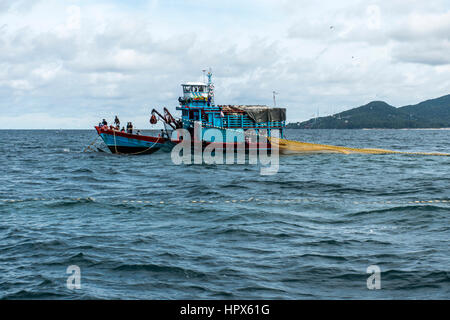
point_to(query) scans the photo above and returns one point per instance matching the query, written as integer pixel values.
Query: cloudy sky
(67, 64)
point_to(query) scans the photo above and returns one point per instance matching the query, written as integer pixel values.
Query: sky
(68, 64)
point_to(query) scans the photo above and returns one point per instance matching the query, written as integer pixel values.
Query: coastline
(369, 129)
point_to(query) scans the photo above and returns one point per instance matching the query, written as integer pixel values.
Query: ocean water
(140, 227)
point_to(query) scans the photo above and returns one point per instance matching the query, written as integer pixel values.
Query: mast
(210, 88)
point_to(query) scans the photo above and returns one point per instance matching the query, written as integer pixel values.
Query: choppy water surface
(141, 227)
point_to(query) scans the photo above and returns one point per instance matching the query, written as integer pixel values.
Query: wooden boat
(123, 142)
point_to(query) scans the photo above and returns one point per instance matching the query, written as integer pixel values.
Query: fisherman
(117, 122)
(130, 128)
(123, 129)
(104, 122)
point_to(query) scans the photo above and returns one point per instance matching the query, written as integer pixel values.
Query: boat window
(187, 89)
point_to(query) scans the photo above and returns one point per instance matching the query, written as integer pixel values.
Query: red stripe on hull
(101, 130)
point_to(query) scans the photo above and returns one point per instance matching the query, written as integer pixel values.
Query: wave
(236, 231)
(155, 268)
(78, 259)
(409, 209)
(33, 295)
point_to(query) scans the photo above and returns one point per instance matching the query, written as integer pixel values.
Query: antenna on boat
(210, 88)
(274, 101)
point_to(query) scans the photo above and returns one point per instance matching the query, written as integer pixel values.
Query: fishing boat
(129, 143)
(198, 109)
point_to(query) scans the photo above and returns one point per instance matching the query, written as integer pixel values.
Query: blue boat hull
(122, 142)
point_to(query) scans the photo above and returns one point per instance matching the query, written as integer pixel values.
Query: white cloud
(87, 60)
(74, 18)
(16, 5)
(22, 85)
(47, 72)
(418, 27)
(425, 52)
(373, 17)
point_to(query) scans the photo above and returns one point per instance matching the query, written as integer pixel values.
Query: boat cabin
(197, 104)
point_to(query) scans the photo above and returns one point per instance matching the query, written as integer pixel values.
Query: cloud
(426, 52)
(422, 38)
(74, 18)
(79, 61)
(17, 5)
(423, 26)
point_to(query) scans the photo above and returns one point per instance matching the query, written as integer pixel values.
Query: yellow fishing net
(295, 147)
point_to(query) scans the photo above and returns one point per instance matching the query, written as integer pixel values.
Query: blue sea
(140, 227)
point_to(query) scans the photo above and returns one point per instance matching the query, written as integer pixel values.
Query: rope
(89, 146)
(291, 200)
(115, 144)
(240, 201)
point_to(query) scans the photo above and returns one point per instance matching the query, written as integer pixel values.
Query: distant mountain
(434, 113)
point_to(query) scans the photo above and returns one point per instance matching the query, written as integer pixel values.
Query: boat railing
(243, 121)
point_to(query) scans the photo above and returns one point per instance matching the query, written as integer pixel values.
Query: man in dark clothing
(130, 128)
(117, 122)
(104, 122)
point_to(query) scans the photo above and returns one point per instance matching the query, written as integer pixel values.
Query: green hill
(433, 113)
(436, 111)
